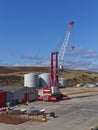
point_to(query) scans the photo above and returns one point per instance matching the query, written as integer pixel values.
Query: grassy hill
(14, 76)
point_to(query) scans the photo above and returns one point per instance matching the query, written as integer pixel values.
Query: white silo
(44, 80)
(31, 80)
(62, 82)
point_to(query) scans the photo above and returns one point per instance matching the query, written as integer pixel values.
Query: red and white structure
(65, 43)
(52, 92)
(54, 69)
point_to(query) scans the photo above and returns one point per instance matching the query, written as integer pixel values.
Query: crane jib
(65, 43)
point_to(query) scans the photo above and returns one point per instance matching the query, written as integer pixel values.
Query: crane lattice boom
(65, 43)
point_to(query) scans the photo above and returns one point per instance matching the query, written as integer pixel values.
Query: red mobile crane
(52, 93)
(53, 84)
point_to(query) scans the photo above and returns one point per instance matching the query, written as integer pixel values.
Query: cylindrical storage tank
(62, 82)
(44, 80)
(31, 80)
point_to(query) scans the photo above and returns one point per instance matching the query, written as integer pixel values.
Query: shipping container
(9, 97)
(18, 95)
(26, 98)
(2, 99)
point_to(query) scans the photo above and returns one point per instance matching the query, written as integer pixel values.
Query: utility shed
(20, 94)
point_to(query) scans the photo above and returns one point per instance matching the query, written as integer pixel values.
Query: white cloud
(43, 64)
(80, 59)
(28, 57)
(90, 54)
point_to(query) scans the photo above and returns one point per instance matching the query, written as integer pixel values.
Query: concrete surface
(78, 113)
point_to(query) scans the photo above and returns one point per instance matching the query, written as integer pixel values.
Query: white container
(62, 82)
(54, 90)
(31, 80)
(44, 80)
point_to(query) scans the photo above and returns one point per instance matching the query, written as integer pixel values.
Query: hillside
(14, 76)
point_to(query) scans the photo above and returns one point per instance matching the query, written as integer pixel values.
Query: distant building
(79, 85)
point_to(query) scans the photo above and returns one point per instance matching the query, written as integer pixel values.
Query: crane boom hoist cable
(64, 45)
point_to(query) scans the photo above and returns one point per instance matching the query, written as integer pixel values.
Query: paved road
(79, 113)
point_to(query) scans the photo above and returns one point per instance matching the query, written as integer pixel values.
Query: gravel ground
(78, 113)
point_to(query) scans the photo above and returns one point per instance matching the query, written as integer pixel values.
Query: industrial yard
(36, 106)
(48, 65)
(80, 112)
(49, 100)
(24, 111)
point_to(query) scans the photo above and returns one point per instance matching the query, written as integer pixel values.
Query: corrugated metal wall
(18, 96)
(9, 97)
(25, 94)
(33, 93)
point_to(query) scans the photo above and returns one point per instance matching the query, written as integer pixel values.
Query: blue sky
(31, 29)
